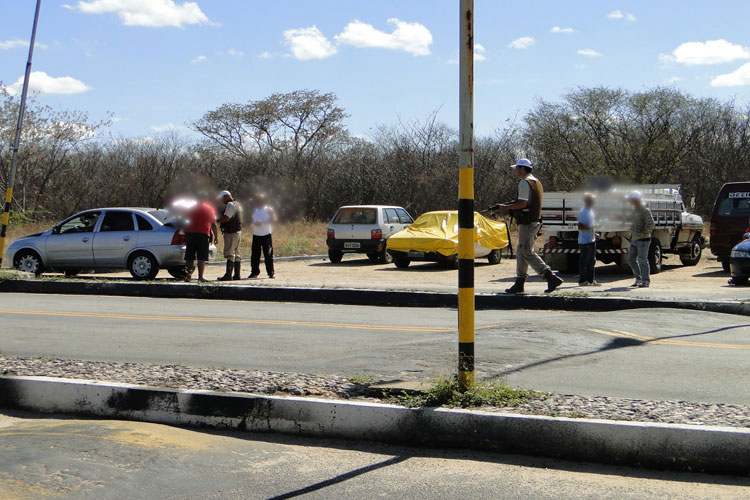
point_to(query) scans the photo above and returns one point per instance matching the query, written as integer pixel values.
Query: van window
(356, 215)
(736, 204)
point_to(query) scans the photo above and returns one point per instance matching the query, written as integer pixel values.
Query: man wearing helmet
(528, 214)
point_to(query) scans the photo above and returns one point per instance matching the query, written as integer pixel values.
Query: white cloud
(709, 52)
(618, 14)
(15, 44)
(235, 53)
(589, 53)
(199, 59)
(480, 53)
(265, 55)
(413, 38)
(149, 13)
(673, 79)
(163, 128)
(737, 78)
(309, 43)
(41, 83)
(558, 29)
(522, 43)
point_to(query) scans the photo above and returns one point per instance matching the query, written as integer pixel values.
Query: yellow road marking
(195, 319)
(660, 341)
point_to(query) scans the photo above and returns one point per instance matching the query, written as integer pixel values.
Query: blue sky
(158, 64)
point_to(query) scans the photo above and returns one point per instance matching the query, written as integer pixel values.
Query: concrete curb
(294, 258)
(356, 296)
(682, 447)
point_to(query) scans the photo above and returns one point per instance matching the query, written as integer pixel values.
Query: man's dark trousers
(586, 263)
(266, 244)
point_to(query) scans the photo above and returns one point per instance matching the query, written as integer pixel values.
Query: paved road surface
(103, 460)
(653, 354)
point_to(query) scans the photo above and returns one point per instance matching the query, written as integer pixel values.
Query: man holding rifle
(528, 214)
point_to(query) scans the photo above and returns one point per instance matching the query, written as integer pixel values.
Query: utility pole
(466, 199)
(17, 140)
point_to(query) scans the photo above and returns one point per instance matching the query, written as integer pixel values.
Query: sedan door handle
(85, 240)
(126, 238)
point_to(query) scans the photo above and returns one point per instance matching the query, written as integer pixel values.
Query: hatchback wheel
(143, 266)
(335, 256)
(401, 263)
(385, 257)
(179, 272)
(494, 257)
(28, 261)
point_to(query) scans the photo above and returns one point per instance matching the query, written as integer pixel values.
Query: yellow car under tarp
(434, 237)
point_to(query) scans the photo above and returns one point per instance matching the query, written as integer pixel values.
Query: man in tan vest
(528, 215)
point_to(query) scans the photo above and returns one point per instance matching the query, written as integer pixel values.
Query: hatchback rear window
(735, 204)
(356, 216)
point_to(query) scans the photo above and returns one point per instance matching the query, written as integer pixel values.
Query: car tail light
(331, 234)
(179, 238)
(376, 234)
(713, 230)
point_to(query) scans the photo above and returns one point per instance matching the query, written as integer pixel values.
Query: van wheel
(494, 257)
(335, 256)
(693, 256)
(655, 257)
(401, 263)
(385, 257)
(143, 266)
(373, 256)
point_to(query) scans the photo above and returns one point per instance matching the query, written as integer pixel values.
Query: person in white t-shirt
(263, 218)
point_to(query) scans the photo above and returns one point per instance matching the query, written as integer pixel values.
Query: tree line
(296, 147)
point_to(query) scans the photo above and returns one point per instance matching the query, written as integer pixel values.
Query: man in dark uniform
(528, 210)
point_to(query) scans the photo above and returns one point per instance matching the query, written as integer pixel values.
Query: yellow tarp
(438, 232)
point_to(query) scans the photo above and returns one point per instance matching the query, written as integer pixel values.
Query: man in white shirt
(264, 216)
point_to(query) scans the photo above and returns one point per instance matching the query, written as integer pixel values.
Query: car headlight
(740, 254)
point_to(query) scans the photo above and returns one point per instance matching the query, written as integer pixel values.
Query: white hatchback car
(365, 229)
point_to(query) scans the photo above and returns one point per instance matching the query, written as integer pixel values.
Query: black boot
(237, 269)
(553, 281)
(228, 275)
(517, 286)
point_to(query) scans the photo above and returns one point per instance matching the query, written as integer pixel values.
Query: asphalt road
(107, 460)
(647, 354)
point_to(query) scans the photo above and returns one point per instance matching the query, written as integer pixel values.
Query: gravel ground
(223, 380)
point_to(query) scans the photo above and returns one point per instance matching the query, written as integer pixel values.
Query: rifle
(508, 219)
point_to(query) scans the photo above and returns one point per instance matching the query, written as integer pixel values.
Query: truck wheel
(494, 257)
(335, 256)
(693, 256)
(385, 257)
(655, 257)
(401, 263)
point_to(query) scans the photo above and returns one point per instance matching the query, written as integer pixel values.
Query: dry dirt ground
(706, 281)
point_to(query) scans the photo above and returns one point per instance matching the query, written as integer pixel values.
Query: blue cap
(523, 162)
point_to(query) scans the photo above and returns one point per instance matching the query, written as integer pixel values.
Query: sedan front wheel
(143, 266)
(28, 261)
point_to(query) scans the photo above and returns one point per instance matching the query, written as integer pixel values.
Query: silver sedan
(141, 240)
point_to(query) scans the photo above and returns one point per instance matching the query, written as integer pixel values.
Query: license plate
(739, 195)
(416, 254)
(350, 245)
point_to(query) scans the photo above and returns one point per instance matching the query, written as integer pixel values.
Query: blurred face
(588, 201)
(520, 172)
(226, 199)
(635, 202)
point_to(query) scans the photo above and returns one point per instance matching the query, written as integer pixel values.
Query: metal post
(17, 140)
(466, 199)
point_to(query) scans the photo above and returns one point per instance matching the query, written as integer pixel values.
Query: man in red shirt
(200, 232)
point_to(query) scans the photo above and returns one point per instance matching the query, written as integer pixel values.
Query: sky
(156, 65)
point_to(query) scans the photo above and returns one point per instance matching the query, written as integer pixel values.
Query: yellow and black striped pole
(17, 139)
(466, 200)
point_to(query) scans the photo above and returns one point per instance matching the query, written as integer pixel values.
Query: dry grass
(289, 239)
